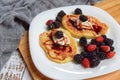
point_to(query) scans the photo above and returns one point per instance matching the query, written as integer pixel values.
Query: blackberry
(59, 19)
(100, 44)
(50, 26)
(57, 24)
(83, 18)
(61, 13)
(59, 34)
(78, 11)
(78, 58)
(112, 48)
(102, 55)
(97, 50)
(92, 54)
(84, 54)
(109, 41)
(83, 41)
(104, 36)
(93, 41)
(94, 61)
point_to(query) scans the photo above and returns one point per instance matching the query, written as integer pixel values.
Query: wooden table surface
(111, 6)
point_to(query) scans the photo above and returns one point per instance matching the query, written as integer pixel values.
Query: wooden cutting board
(111, 6)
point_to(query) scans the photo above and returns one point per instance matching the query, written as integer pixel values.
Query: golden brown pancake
(57, 53)
(96, 29)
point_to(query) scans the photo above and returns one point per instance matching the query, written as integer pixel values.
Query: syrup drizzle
(96, 28)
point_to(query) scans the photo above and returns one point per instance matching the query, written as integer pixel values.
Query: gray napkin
(11, 31)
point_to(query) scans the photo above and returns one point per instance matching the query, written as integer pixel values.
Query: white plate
(70, 70)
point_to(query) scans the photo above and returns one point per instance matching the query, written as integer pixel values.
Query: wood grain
(111, 6)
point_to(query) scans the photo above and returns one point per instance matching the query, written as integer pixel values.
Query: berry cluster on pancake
(81, 25)
(59, 45)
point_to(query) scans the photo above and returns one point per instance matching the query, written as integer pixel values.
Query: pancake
(92, 29)
(58, 53)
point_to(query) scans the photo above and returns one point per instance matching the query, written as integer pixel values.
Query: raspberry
(78, 11)
(50, 21)
(83, 18)
(105, 48)
(86, 63)
(102, 55)
(78, 58)
(91, 47)
(110, 54)
(100, 39)
(83, 41)
(59, 34)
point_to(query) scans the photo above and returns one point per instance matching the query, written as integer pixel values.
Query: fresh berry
(97, 50)
(59, 34)
(49, 22)
(61, 13)
(93, 41)
(83, 41)
(84, 54)
(59, 19)
(111, 48)
(50, 26)
(94, 61)
(57, 24)
(100, 39)
(100, 44)
(78, 58)
(83, 18)
(102, 55)
(104, 36)
(86, 63)
(105, 48)
(78, 11)
(109, 41)
(110, 54)
(92, 53)
(91, 47)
